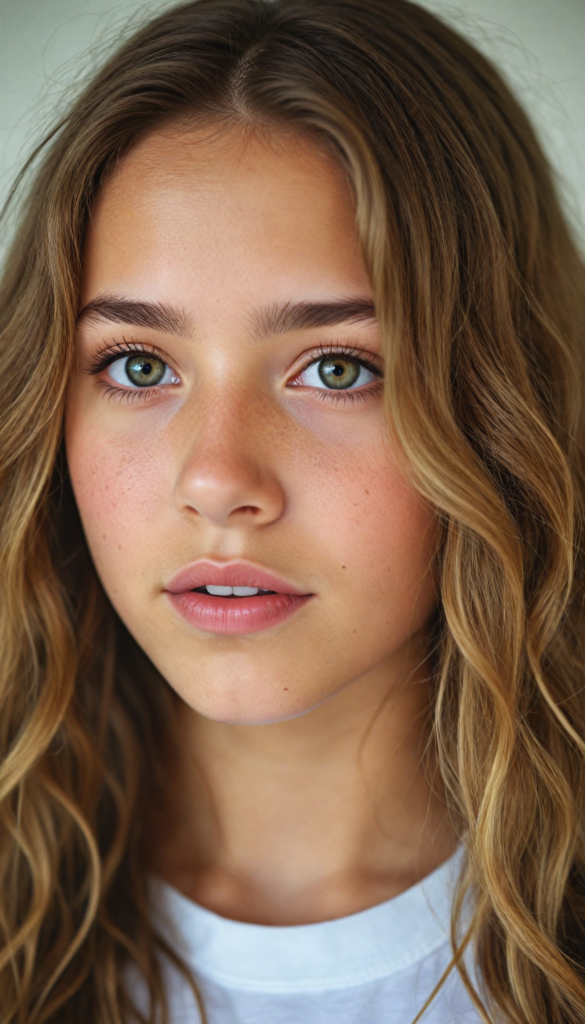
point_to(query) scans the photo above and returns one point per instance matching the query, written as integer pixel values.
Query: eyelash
(106, 355)
(109, 353)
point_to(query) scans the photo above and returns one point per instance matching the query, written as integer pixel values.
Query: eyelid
(364, 356)
(108, 353)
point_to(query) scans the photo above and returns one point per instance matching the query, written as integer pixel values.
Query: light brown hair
(479, 293)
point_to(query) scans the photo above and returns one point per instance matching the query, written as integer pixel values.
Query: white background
(47, 46)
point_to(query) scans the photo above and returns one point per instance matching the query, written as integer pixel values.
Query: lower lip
(236, 615)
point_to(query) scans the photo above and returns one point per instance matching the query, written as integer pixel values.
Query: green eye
(144, 371)
(339, 372)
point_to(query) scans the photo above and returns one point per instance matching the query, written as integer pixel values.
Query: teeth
(232, 591)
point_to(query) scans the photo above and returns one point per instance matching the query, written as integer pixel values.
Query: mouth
(233, 597)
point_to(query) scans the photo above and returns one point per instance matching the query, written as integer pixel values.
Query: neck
(308, 819)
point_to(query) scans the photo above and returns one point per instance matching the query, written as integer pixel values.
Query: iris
(145, 370)
(339, 372)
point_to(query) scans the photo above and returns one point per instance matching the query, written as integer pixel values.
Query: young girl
(293, 687)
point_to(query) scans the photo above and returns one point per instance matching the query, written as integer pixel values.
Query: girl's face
(225, 428)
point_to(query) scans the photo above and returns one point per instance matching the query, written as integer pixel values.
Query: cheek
(378, 533)
(359, 499)
(119, 486)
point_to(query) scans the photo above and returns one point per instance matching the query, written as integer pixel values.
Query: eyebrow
(157, 315)
(279, 318)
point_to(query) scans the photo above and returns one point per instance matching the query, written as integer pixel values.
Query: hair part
(478, 288)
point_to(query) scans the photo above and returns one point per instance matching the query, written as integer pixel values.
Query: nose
(225, 478)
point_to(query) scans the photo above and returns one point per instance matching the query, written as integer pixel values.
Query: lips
(233, 615)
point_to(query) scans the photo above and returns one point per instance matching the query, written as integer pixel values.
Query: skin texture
(295, 786)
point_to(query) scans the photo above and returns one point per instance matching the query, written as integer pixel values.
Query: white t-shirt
(375, 967)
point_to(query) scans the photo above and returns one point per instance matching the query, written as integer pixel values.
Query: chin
(243, 708)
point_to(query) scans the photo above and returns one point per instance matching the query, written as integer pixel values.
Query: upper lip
(229, 574)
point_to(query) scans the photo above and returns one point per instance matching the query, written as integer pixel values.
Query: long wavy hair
(480, 295)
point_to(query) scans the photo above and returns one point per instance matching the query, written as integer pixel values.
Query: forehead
(216, 209)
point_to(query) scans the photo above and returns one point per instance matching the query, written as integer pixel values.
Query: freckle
(286, 687)
(367, 492)
(343, 567)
